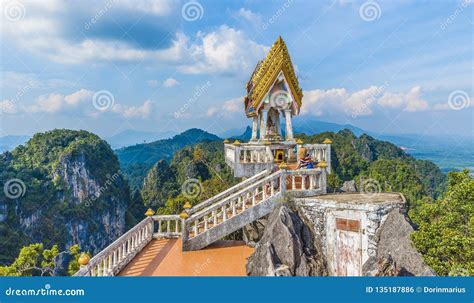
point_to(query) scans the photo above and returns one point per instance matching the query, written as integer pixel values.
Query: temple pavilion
(273, 98)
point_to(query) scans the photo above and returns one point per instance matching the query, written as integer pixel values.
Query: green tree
(34, 260)
(445, 234)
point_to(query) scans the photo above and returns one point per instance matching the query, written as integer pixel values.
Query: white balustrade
(111, 260)
(234, 204)
(168, 226)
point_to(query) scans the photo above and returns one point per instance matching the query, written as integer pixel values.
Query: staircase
(245, 203)
(210, 220)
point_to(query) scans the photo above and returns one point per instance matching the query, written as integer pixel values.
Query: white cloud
(8, 107)
(211, 111)
(363, 102)
(143, 111)
(227, 108)
(57, 103)
(250, 16)
(224, 51)
(170, 82)
(153, 7)
(233, 105)
(77, 103)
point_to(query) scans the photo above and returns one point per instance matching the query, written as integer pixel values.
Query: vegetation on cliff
(195, 174)
(380, 166)
(136, 160)
(70, 190)
(445, 233)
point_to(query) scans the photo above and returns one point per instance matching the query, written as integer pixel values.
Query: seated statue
(306, 162)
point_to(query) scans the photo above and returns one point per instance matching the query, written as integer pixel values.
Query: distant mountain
(131, 137)
(150, 153)
(314, 126)
(10, 142)
(300, 125)
(136, 160)
(234, 132)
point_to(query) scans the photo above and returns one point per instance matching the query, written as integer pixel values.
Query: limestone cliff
(72, 192)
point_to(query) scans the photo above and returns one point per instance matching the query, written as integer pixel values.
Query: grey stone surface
(287, 248)
(253, 232)
(393, 239)
(349, 186)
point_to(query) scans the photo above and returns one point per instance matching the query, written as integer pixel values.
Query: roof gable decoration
(266, 72)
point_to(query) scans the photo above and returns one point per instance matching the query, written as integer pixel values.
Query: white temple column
(278, 126)
(289, 126)
(263, 124)
(254, 128)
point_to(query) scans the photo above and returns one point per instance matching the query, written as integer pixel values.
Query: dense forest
(190, 167)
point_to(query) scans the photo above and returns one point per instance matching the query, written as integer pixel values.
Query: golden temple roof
(265, 73)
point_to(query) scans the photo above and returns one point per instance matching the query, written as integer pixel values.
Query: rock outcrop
(349, 186)
(253, 232)
(288, 247)
(394, 243)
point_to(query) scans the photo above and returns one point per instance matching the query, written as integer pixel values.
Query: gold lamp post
(83, 259)
(184, 214)
(322, 164)
(149, 212)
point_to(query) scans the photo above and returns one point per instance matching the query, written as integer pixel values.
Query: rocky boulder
(395, 247)
(253, 232)
(349, 186)
(287, 247)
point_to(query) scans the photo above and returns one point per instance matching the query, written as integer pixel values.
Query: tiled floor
(165, 258)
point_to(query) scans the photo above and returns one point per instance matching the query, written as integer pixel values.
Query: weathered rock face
(253, 232)
(349, 187)
(394, 243)
(288, 247)
(86, 191)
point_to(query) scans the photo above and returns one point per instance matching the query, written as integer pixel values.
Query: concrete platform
(165, 258)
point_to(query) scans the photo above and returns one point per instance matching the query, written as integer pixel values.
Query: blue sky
(385, 66)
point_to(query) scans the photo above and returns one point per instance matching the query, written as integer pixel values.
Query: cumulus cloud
(170, 82)
(77, 103)
(143, 111)
(51, 33)
(56, 102)
(362, 102)
(8, 107)
(249, 16)
(227, 108)
(225, 50)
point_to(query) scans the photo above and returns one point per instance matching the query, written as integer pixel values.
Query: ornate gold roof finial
(226, 141)
(183, 215)
(327, 141)
(149, 212)
(187, 205)
(237, 142)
